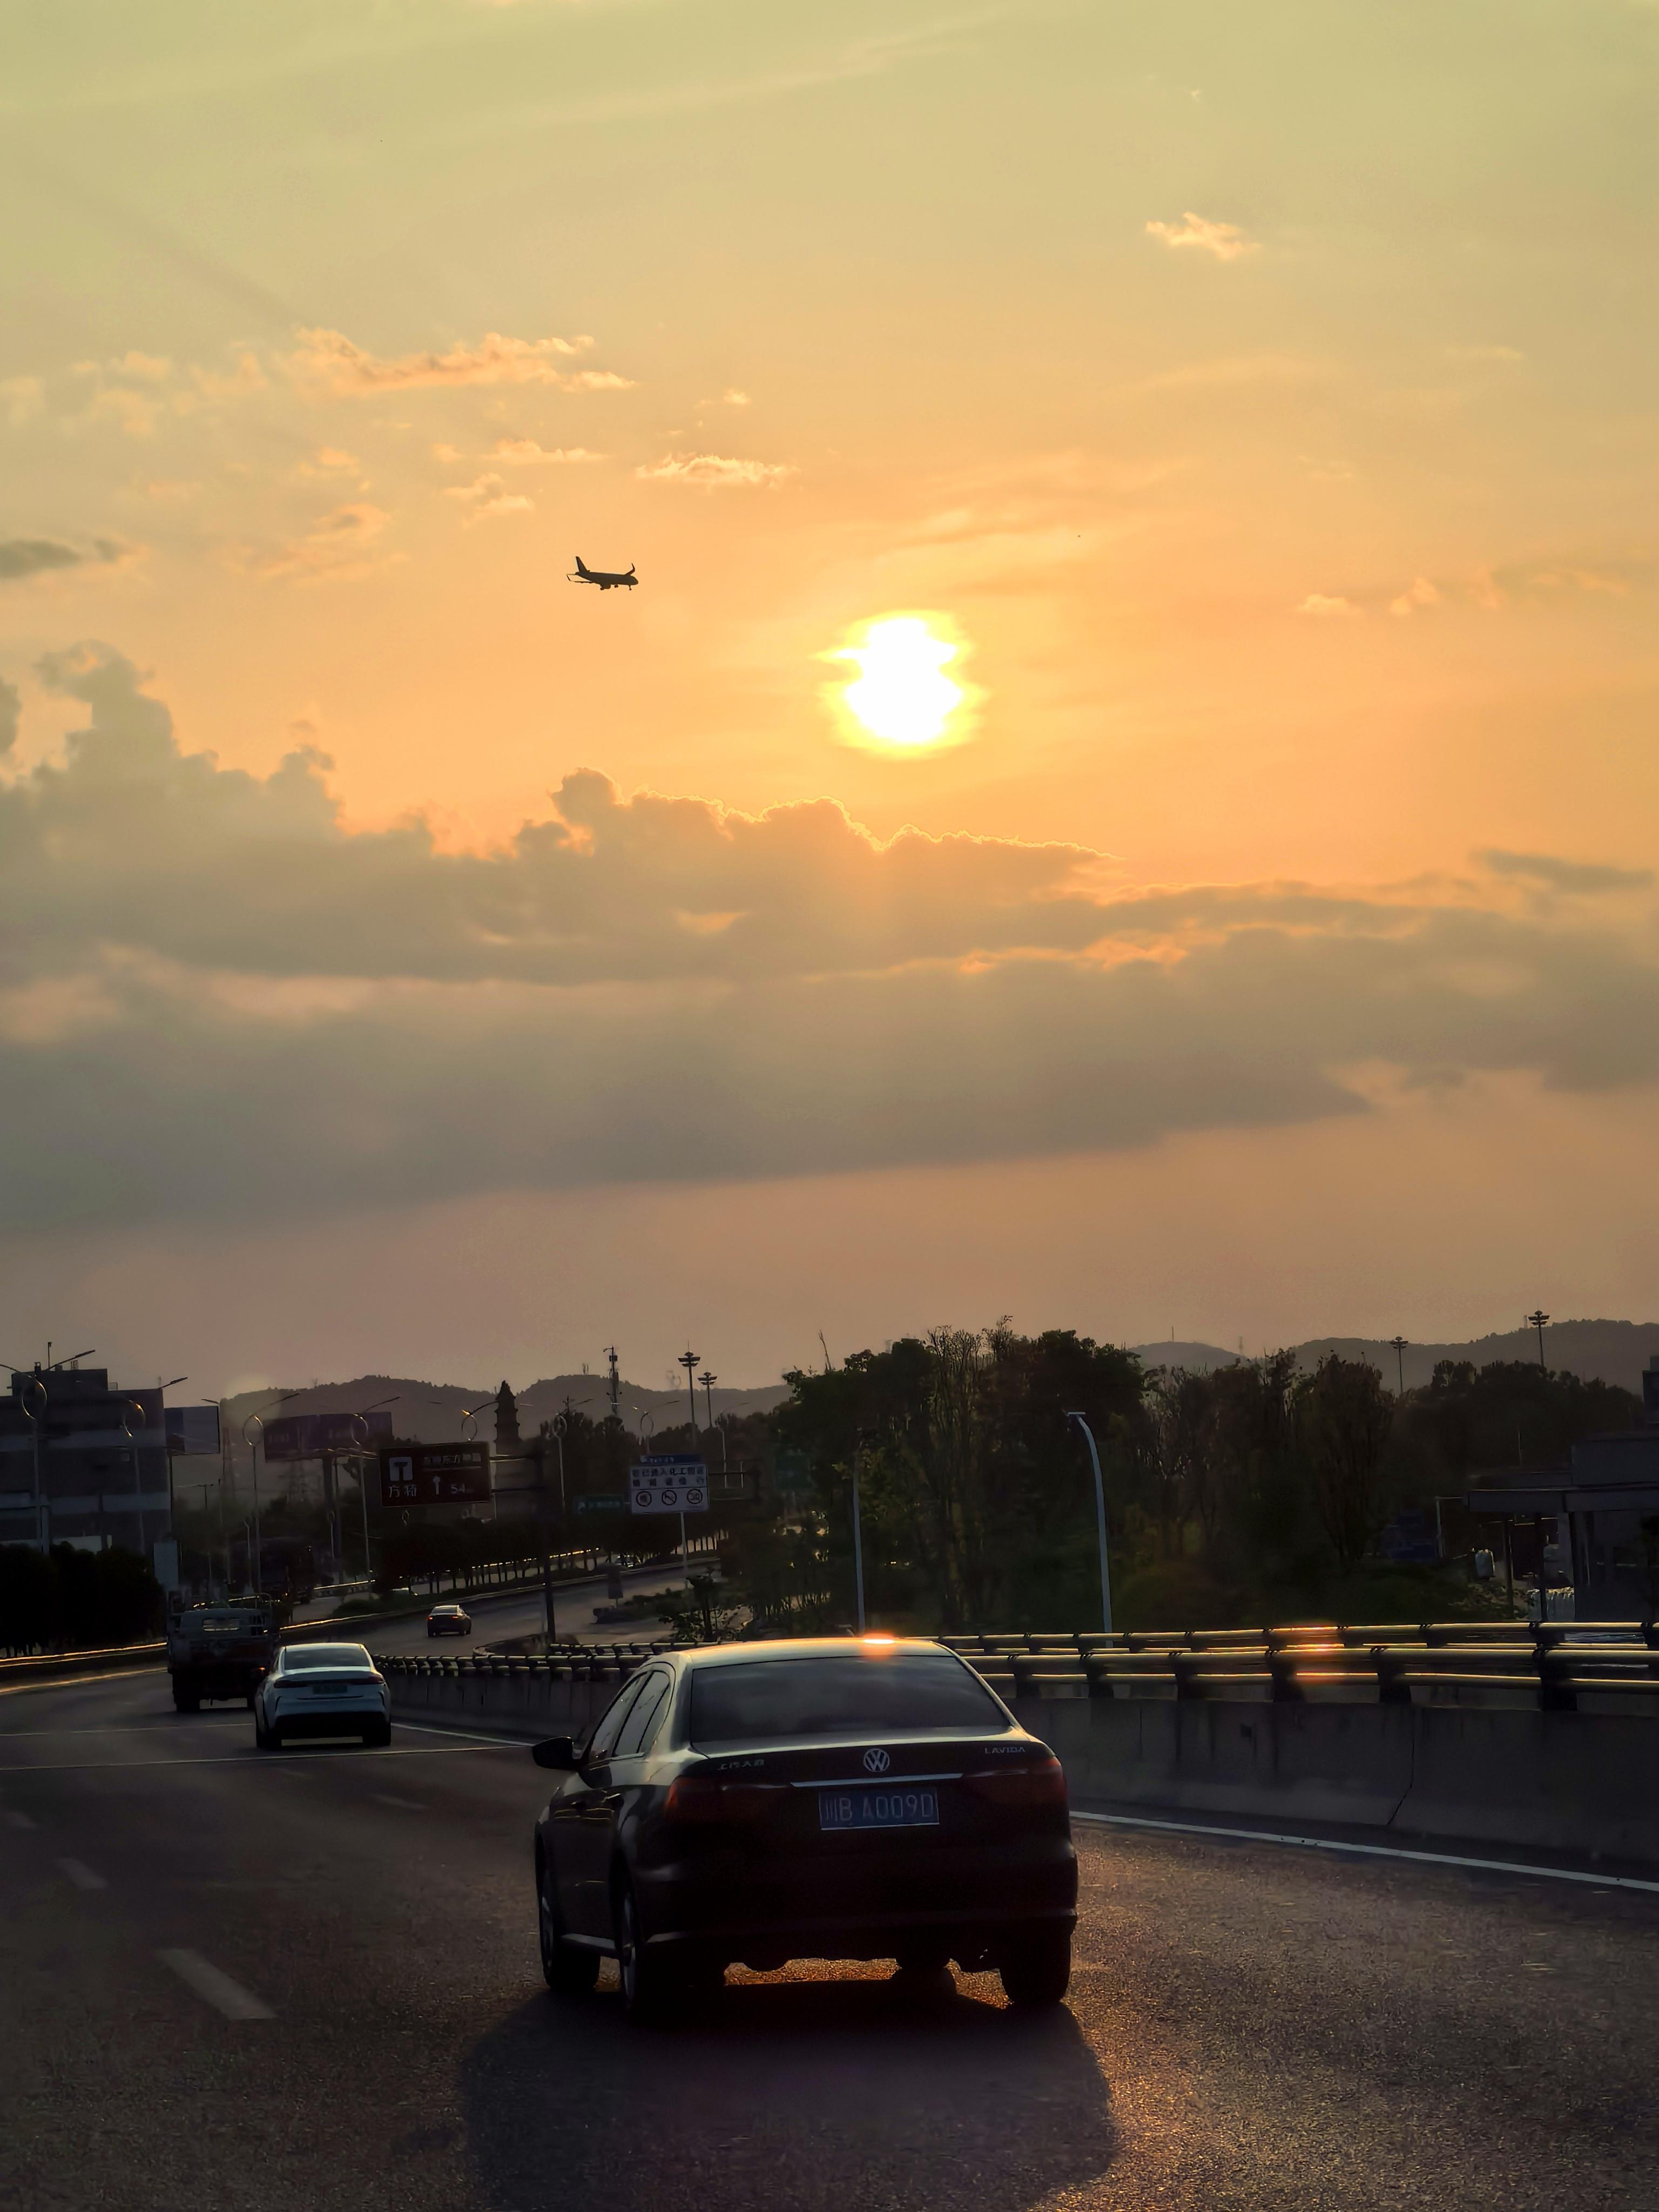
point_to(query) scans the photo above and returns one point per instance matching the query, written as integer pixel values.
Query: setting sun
(900, 696)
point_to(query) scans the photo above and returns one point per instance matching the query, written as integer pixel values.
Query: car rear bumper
(825, 1909)
(339, 1720)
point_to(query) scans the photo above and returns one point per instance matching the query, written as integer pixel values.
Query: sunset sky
(415, 960)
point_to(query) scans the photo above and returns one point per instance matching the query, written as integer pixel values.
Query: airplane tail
(582, 569)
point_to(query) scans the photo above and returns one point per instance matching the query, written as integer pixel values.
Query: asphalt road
(255, 1984)
(519, 1613)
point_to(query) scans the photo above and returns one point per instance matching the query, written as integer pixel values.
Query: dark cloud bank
(215, 1002)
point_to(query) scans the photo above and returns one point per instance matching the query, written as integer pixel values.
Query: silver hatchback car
(322, 1689)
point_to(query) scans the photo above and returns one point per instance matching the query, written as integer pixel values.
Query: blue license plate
(894, 1805)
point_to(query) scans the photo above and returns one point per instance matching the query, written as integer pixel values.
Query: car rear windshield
(772, 1699)
(226, 1623)
(334, 1655)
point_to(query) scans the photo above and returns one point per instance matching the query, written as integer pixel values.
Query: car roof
(806, 1647)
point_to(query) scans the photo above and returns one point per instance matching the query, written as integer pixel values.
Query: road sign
(435, 1474)
(668, 1482)
(308, 1436)
(791, 1470)
(194, 1428)
(600, 1501)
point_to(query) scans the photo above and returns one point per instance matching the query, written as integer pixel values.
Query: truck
(219, 1651)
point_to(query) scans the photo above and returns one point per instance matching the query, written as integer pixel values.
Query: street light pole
(34, 1408)
(858, 1534)
(360, 1420)
(688, 1360)
(556, 1426)
(1079, 1421)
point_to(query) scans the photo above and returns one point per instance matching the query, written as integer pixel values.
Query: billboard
(308, 1436)
(435, 1474)
(192, 1429)
(668, 1482)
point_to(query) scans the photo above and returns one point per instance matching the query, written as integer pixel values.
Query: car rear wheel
(567, 1973)
(649, 1985)
(186, 1701)
(377, 1738)
(1036, 1968)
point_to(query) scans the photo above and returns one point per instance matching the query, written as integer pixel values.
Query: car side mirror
(558, 1751)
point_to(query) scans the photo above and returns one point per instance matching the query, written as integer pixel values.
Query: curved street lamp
(254, 1429)
(1079, 1422)
(360, 1427)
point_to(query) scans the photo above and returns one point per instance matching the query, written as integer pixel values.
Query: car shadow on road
(787, 2094)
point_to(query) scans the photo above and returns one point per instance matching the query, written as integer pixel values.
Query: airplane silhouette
(608, 580)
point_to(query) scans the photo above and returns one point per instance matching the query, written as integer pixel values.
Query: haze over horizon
(1221, 445)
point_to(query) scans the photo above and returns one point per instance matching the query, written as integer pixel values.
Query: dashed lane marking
(122, 1728)
(1371, 1850)
(78, 1872)
(217, 1988)
(400, 1804)
(246, 1759)
(20, 1820)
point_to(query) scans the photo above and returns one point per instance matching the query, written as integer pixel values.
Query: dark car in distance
(862, 1798)
(448, 1621)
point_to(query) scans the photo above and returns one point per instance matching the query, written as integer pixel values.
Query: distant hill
(1599, 1351)
(431, 1412)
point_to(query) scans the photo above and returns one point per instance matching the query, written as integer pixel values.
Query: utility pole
(1399, 1343)
(708, 1382)
(1539, 1321)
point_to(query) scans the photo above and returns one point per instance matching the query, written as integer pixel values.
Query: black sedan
(862, 1799)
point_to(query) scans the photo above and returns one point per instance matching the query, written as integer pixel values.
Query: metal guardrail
(1561, 1667)
(580, 1662)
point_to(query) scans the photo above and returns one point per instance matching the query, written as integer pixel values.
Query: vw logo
(876, 1762)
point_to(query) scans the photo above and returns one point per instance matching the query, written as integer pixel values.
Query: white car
(322, 1689)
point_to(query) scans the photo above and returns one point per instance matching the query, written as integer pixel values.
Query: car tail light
(706, 1797)
(1031, 1783)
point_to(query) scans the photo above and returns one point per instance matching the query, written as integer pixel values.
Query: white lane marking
(19, 1820)
(402, 1804)
(225, 1995)
(156, 1727)
(1371, 1851)
(246, 1759)
(472, 1735)
(81, 1876)
(78, 1682)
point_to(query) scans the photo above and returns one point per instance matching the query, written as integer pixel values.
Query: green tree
(1343, 1417)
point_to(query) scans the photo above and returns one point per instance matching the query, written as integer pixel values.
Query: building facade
(81, 1462)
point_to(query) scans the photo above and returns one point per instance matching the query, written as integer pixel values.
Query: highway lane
(1250, 2026)
(519, 1613)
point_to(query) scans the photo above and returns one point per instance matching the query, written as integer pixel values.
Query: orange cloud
(1196, 233)
(331, 360)
(490, 495)
(524, 452)
(714, 471)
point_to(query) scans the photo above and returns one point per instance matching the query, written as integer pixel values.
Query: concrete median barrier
(1336, 1750)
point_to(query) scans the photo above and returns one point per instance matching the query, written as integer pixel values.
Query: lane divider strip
(81, 1874)
(1369, 1851)
(217, 1988)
